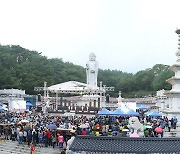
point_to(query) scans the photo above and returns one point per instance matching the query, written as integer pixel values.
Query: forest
(24, 69)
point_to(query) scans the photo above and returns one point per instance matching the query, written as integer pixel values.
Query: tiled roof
(125, 145)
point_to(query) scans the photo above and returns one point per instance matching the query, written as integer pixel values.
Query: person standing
(169, 125)
(60, 141)
(6, 133)
(29, 137)
(49, 133)
(45, 136)
(175, 122)
(20, 137)
(84, 132)
(54, 140)
(32, 148)
(24, 136)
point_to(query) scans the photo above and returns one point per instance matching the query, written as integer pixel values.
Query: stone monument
(119, 100)
(92, 70)
(174, 93)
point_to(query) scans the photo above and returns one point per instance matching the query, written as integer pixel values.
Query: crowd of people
(55, 131)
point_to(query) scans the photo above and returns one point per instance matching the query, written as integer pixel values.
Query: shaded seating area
(141, 107)
(153, 113)
(117, 112)
(132, 113)
(104, 112)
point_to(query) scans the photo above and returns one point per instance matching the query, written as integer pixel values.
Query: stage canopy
(73, 87)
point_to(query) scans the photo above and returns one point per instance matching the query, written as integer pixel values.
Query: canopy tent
(28, 105)
(104, 111)
(72, 87)
(132, 113)
(153, 114)
(1, 108)
(118, 112)
(141, 107)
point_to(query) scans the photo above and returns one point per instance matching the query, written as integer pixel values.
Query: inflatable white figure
(136, 126)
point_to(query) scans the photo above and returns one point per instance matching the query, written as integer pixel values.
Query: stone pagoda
(173, 108)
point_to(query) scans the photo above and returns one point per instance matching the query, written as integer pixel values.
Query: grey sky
(127, 35)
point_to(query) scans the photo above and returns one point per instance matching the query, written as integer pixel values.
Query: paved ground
(12, 147)
(172, 133)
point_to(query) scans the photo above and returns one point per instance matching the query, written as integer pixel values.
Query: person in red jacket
(32, 148)
(49, 135)
(84, 131)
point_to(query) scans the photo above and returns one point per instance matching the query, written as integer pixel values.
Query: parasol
(134, 135)
(148, 126)
(83, 126)
(125, 130)
(24, 121)
(158, 130)
(27, 128)
(51, 126)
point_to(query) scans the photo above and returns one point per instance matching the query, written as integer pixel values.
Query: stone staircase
(12, 147)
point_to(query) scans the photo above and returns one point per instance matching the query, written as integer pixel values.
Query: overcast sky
(126, 35)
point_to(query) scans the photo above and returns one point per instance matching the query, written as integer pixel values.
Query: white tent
(17, 105)
(72, 86)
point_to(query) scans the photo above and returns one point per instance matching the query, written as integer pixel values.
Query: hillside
(25, 69)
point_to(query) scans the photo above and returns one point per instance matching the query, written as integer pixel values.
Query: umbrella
(115, 133)
(134, 135)
(83, 126)
(148, 126)
(24, 121)
(125, 130)
(27, 128)
(63, 129)
(51, 126)
(158, 130)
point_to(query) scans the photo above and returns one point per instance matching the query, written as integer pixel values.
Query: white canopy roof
(72, 86)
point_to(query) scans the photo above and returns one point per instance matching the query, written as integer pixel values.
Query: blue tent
(140, 106)
(51, 126)
(153, 114)
(149, 112)
(1, 108)
(132, 113)
(104, 111)
(28, 104)
(118, 112)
